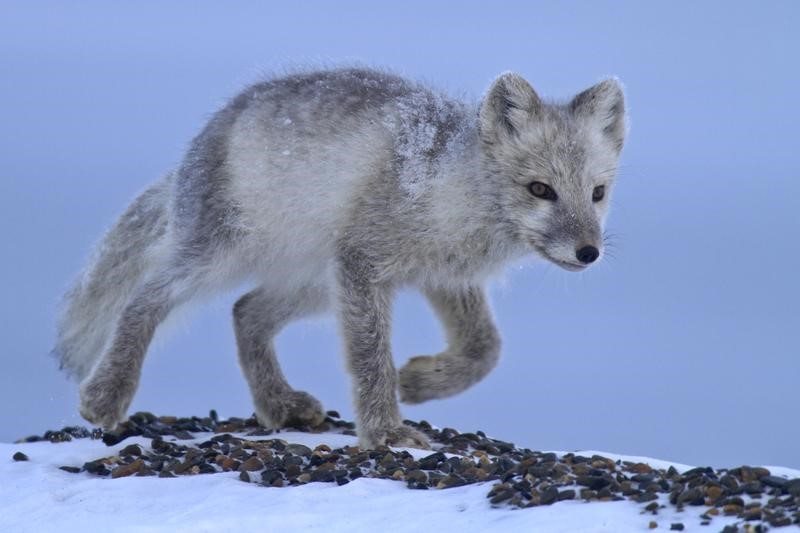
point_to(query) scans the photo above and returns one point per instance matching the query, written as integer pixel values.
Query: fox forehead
(560, 150)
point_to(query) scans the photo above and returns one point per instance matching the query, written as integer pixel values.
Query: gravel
(522, 477)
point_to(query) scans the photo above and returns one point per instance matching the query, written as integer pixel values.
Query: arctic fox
(331, 189)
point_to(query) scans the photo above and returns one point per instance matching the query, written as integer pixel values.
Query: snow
(36, 496)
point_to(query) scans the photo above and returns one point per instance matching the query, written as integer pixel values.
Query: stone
(299, 449)
(592, 482)
(19, 456)
(568, 494)
(713, 492)
(131, 449)
(732, 509)
(251, 465)
(774, 481)
(549, 496)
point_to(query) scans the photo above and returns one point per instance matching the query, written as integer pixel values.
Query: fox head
(553, 165)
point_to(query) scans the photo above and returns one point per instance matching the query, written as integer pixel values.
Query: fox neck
(464, 214)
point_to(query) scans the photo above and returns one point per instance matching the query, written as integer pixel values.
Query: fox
(330, 190)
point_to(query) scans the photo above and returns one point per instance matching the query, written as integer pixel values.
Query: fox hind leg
(258, 316)
(472, 352)
(107, 392)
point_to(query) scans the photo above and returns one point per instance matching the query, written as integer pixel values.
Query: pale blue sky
(683, 346)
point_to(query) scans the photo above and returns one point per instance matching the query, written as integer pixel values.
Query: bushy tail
(126, 256)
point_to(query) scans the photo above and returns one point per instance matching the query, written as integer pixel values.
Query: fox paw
(104, 401)
(290, 409)
(425, 378)
(401, 436)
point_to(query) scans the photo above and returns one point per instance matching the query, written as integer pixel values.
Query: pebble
(19, 456)
(128, 470)
(251, 465)
(523, 478)
(550, 495)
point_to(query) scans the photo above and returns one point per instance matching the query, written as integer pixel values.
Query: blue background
(681, 346)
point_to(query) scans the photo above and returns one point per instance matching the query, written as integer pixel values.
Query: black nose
(587, 254)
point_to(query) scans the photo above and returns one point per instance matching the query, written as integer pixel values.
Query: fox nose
(587, 254)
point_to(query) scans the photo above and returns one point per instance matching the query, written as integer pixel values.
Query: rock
(96, 467)
(760, 472)
(592, 482)
(548, 496)
(501, 496)
(780, 521)
(568, 494)
(713, 492)
(251, 465)
(692, 497)
(732, 509)
(127, 470)
(774, 481)
(652, 525)
(752, 514)
(319, 475)
(450, 481)
(676, 527)
(753, 487)
(431, 462)
(19, 456)
(299, 449)
(131, 449)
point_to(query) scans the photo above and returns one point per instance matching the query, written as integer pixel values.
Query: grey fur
(335, 188)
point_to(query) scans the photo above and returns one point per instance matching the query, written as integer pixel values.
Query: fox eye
(598, 193)
(542, 190)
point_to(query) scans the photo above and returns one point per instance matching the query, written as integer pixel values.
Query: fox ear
(604, 104)
(507, 106)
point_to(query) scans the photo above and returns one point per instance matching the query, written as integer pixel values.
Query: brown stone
(641, 468)
(127, 470)
(732, 509)
(652, 525)
(581, 469)
(229, 464)
(251, 465)
(760, 472)
(714, 492)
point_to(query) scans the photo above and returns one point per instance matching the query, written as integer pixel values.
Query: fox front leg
(473, 347)
(365, 317)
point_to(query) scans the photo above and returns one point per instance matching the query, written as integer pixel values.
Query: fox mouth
(566, 265)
